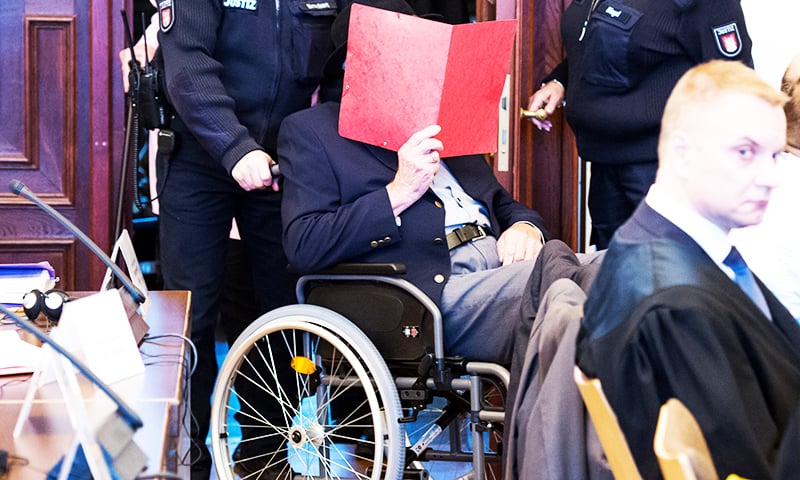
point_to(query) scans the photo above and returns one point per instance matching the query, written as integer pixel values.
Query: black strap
(466, 233)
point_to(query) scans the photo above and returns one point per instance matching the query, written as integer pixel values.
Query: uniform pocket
(606, 58)
(311, 37)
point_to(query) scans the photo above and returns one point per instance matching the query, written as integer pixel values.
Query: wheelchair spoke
(333, 397)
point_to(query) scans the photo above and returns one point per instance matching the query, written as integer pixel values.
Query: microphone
(125, 411)
(115, 435)
(18, 188)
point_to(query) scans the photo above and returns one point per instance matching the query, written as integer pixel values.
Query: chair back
(680, 445)
(605, 422)
(399, 324)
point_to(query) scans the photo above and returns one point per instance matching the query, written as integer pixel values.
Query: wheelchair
(367, 391)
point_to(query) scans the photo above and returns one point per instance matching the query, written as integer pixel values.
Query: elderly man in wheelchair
(453, 253)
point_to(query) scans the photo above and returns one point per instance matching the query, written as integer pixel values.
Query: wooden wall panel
(50, 96)
(43, 152)
(55, 105)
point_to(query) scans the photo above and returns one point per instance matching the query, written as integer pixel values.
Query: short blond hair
(704, 83)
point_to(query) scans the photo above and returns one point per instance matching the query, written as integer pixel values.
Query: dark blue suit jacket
(663, 320)
(336, 208)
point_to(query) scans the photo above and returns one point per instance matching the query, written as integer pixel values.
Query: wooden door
(60, 131)
(542, 170)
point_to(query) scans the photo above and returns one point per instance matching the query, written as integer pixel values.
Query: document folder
(404, 73)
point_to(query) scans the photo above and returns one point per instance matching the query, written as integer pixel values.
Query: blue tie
(746, 280)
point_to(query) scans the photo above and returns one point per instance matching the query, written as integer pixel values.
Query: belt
(467, 233)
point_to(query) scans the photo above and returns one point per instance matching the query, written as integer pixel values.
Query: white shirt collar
(712, 239)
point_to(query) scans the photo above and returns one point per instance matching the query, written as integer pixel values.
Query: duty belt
(467, 233)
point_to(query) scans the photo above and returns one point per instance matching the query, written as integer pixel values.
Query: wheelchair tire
(332, 362)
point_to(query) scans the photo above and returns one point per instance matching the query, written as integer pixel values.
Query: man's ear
(678, 149)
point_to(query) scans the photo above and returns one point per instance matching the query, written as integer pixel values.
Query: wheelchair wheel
(303, 393)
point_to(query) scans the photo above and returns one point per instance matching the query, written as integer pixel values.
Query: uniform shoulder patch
(166, 14)
(729, 41)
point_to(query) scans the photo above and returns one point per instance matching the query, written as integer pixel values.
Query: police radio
(146, 87)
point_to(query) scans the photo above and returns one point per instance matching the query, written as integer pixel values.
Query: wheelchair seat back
(396, 322)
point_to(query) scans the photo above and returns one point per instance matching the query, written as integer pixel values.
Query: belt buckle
(481, 233)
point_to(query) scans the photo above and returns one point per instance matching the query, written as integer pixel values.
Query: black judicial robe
(662, 320)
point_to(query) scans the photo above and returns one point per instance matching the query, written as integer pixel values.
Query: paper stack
(17, 279)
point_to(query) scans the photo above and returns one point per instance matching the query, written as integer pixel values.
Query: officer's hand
(251, 172)
(125, 58)
(417, 163)
(549, 97)
(520, 242)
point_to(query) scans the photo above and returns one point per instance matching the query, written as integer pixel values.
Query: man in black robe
(666, 316)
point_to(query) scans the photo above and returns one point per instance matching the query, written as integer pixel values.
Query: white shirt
(771, 248)
(459, 207)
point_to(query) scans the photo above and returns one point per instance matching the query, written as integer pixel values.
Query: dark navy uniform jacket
(226, 61)
(619, 75)
(336, 208)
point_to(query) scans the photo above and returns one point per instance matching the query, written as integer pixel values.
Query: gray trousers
(481, 302)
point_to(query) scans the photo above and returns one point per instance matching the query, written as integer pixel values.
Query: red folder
(404, 73)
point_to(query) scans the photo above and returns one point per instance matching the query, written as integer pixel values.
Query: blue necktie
(746, 280)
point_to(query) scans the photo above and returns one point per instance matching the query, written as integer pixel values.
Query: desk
(156, 395)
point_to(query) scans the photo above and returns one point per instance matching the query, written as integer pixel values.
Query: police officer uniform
(233, 70)
(623, 58)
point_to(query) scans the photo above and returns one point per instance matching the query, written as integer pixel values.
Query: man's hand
(549, 97)
(520, 242)
(251, 172)
(151, 32)
(417, 163)
(139, 51)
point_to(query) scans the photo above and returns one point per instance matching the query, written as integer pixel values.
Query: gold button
(438, 278)
(438, 204)
(387, 239)
(438, 241)
(373, 244)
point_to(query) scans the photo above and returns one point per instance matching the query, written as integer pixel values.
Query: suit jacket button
(387, 239)
(374, 244)
(438, 241)
(438, 204)
(438, 278)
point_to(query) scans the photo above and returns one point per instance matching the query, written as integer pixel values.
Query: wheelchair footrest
(410, 473)
(415, 474)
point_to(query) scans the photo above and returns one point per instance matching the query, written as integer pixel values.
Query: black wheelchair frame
(360, 331)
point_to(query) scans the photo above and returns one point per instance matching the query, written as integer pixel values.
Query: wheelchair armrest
(365, 269)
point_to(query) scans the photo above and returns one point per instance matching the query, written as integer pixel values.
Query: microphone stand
(109, 452)
(126, 412)
(18, 188)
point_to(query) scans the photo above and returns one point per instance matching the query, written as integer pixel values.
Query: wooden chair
(605, 422)
(680, 446)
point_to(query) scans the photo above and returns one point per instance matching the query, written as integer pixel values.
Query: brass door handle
(539, 114)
